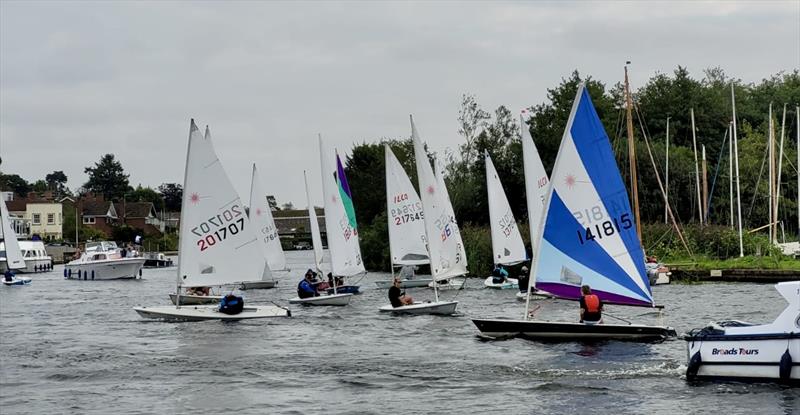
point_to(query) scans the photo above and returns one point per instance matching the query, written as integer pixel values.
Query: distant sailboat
(13, 255)
(407, 243)
(218, 245)
(267, 233)
(588, 237)
(445, 248)
(507, 245)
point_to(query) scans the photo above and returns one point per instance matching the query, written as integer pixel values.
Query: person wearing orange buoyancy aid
(591, 306)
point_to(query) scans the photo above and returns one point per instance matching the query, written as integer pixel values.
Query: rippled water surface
(78, 347)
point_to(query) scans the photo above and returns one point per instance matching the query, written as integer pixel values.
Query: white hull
(324, 300)
(538, 295)
(187, 299)
(412, 283)
(440, 308)
(200, 313)
(451, 284)
(17, 281)
(745, 359)
(105, 270)
(31, 265)
(509, 284)
(258, 285)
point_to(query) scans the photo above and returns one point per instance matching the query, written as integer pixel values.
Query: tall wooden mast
(632, 155)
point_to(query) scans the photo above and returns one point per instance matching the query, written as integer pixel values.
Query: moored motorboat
(103, 260)
(35, 255)
(156, 260)
(734, 350)
(341, 299)
(433, 307)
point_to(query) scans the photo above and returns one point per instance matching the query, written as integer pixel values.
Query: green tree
(172, 194)
(14, 183)
(56, 182)
(145, 194)
(108, 178)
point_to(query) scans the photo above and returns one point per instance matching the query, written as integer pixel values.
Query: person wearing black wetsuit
(396, 297)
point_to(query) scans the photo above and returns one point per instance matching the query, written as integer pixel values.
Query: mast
(736, 163)
(730, 168)
(778, 176)
(797, 129)
(771, 186)
(696, 170)
(666, 185)
(705, 187)
(632, 155)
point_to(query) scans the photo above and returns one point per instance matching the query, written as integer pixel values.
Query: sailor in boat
(8, 275)
(499, 275)
(339, 280)
(591, 307)
(523, 279)
(201, 291)
(306, 288)
(407, 272)
(397, 297)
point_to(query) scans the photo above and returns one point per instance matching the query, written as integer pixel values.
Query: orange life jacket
(592, 303)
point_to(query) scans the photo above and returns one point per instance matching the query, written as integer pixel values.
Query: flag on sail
(589, 235)
(346, 195)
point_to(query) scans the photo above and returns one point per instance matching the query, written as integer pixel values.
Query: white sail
(342, 234)
(439, 173)
(264, 224)
(536, 182)
(406, 218)
(507, 245)
(218, 244)
(444, 240)
(14, 258)
(316, 238)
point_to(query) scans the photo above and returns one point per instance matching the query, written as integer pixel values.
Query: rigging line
(716, 173)
(758, 182)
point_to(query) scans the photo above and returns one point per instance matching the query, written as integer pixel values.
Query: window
(37, 218)
(88, 220)
(51, 218)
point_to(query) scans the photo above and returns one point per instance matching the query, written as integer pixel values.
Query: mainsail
(444, 240)
(340, 223)
(536, 181)
(264, 224)
(316, 238)
(507, 245)
(588, 236)
(14, 258)
(218, 244)
(406, 218)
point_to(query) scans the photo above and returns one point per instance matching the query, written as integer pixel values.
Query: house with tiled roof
(36, 214)
(98, 213)
(140, 215)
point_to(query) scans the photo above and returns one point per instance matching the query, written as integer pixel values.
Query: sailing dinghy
(587, 237)
(406, 226)
(507, 245)
(445, 248)
(335, 299)
(218, 245)
(735, 350)
(261, 218)
(13, 254)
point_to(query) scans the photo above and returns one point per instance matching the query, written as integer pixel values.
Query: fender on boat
(694, 365)
(786, 365)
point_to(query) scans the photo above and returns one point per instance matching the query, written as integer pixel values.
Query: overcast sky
(78, 80)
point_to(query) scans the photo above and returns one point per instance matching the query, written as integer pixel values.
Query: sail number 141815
(605, 228)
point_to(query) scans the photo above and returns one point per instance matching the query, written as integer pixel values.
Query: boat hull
(444, 308)
(565, 331)
(412, 283)
(509, 284)
(451, 284)
(769, 357)
(201, 313)
(539, 295)
(324, 300)
(105, 270)
(31, 265)
(17, 281)
(344, 289)
(258, 285)
(188, 299)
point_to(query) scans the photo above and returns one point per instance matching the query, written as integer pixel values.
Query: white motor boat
(103, 260)
(34, 254)
(445, 308)
(734, 350)
(324, 300)
(507, 284)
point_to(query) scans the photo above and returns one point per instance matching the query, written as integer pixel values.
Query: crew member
(591, 306)
(396, 297)
(306, 288)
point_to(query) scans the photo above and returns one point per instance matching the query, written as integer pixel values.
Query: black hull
(562, 331)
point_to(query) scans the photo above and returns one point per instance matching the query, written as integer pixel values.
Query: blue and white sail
(588, 235)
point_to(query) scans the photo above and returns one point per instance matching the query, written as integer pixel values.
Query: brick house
(98, 213)
(140, 215)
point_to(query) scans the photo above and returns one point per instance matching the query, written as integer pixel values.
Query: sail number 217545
(218, 227)
(605, 228)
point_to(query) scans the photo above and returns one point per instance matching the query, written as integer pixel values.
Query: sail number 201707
(596, 227)
(218, 227)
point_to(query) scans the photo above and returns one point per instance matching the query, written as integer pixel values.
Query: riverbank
(758, 269)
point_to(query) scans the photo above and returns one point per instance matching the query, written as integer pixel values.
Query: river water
(78, 347)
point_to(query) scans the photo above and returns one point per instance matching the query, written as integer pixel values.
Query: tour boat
(103, 260)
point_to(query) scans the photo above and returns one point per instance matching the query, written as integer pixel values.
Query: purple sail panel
(572, 292)
(342, 178)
